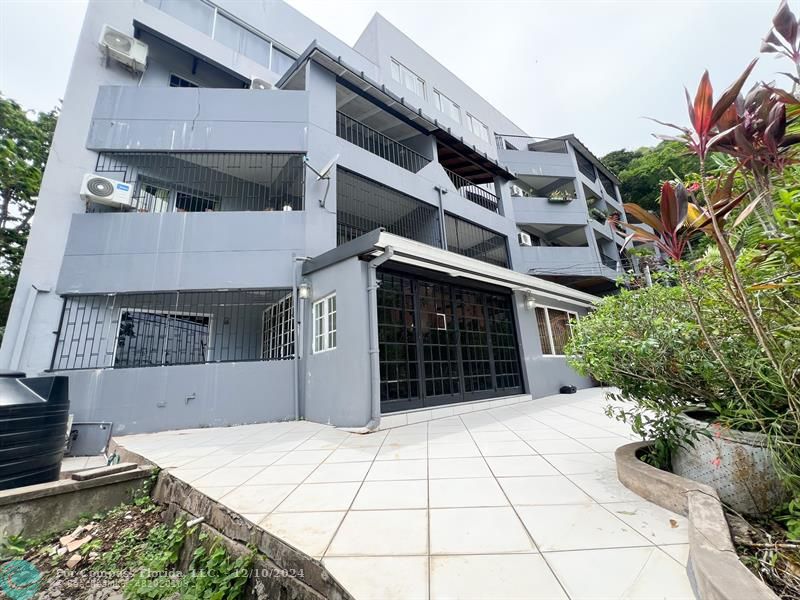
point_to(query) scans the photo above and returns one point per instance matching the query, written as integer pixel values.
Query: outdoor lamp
(530, 301)
(304, 290)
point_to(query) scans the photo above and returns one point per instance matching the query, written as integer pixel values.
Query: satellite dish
(323, 174)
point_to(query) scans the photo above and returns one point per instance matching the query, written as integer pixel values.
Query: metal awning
(421, 255)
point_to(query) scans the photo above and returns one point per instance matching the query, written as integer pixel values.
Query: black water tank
(33, 426)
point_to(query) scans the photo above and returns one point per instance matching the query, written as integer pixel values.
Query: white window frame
(571, 314)
(321, 330)
(276, 341)
(483, 127)
(399, 68)
(437, 101)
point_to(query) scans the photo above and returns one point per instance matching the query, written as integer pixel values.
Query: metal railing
(174, 328)
(207, 181)
(375, 142)
(474, 192)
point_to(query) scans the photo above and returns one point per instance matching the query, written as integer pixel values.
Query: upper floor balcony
(130, 118)
(535, 156)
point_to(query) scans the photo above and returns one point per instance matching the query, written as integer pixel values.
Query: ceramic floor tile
(604, 444)
(454, 450)
(520, 466)
(382, 577)
(550, 489)
(493, 577)
(311, 497)
(381, 533)
(477, 531)
(577, 527)
(454, 493)
(309, 532)
(256, 459)
(376, 495)
(630, 573)
(256, 498)
(303, 457)
(573, 464)
(482, 437)
(394, 470)
(453, 468)
(558, 446)
(339, 472)
(234, 476)
(189, 475)
(360, 454)
(215, 492)
(658, 525)
(515, 448)
(404, 452)
(604, 487)
(679, 552)
(282, 474)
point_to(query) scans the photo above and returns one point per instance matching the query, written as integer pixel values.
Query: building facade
(244, 219)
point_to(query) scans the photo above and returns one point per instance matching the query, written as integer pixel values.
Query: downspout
(374, 359)
(298, 333)
(442, 228)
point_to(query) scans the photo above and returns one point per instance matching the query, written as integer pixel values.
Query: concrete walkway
(520, 502)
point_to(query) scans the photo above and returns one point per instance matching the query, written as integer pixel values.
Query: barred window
(555, 329)
(174, 328)
(278, 328)
(325, 324)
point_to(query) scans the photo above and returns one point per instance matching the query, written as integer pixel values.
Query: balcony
(474, 192)
(373, 141)
(561, 260)
(130, 118)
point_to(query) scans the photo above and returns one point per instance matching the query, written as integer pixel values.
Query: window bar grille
(174, 328)
(474, 192)
(379, 144)
(207, 181)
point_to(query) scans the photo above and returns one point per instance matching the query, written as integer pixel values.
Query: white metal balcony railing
(379, 144)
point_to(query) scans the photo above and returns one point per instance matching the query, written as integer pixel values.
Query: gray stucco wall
(158, 398)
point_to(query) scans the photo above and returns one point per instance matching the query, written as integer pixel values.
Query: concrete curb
(714, 567)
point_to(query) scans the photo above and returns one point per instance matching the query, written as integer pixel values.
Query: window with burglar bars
(278, 329)
(173, 328)
(555, 329)
(474, 241)
(207, 181)
(364, 205)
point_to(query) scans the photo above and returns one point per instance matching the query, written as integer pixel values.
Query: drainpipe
(298, 333)
(442, 228)
(374, 359)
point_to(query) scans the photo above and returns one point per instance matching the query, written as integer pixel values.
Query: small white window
(324, 315)
(447, 106)
(478, 128)
(410, 80)
(555, 329)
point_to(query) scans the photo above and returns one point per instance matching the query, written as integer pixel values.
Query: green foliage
(24, 147)
(789, 515)
(641, 172)
(214, 575)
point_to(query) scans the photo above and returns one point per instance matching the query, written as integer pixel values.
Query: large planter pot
(735, 463)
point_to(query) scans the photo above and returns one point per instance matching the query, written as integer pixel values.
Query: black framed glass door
(440, 343)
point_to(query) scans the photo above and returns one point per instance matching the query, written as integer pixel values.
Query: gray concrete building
(245, 219)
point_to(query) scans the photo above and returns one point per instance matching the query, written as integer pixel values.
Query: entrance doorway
(441, 343)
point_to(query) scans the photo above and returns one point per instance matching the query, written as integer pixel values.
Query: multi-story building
(244, 219)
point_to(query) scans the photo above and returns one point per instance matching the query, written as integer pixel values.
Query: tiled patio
(520, 501)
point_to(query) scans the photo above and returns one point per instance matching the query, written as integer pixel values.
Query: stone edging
(714, 567)
(179, 495)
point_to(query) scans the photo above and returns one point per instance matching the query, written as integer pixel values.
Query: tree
(24, 146)
(644, 170)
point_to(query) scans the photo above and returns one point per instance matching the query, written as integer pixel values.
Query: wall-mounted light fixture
(304, 290)
(530, 301)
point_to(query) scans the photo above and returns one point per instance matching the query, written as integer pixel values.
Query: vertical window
(324, 315)
(554, 329)
(478, 128)
(447, 106)
(277, 333)
(195, 14)
(280, 61)
(410, 80)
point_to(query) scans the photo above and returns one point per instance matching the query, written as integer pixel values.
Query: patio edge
(177, 494)
(714, 567)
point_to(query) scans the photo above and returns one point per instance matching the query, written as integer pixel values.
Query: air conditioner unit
(124, 49)
(102, 190)
(524, 238)
(260, 84)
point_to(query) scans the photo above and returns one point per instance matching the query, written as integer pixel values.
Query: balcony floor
(517, 501)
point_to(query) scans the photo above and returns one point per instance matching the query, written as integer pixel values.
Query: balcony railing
(375, 142)
(474, 193)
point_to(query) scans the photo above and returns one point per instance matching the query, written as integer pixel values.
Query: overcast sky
(591, 68)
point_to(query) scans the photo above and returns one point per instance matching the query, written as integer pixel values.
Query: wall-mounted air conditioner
(260, 84)
(524, 238)
(102, 190)
(124, 49)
